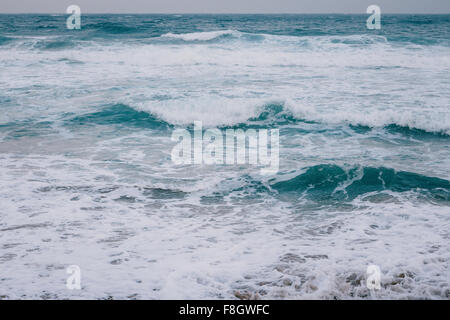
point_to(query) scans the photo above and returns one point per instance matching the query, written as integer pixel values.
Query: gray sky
(225, 6)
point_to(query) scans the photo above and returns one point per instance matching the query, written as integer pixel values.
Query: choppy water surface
(86, 176)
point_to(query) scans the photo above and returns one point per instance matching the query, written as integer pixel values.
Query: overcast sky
(225, 6)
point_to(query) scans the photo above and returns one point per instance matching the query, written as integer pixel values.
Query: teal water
(87, 178)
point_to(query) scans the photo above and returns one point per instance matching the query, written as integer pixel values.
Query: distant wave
(276, 114)
(109, 34)
(299, 40)
(302, 39)
(201, 36)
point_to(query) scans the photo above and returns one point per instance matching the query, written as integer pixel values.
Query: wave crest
(201, 36)
(240, 112)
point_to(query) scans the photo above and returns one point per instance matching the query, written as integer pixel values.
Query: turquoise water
(87, 177)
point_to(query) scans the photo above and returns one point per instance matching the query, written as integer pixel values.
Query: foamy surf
(87, 176)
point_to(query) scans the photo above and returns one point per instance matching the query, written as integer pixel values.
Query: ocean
(87, 177)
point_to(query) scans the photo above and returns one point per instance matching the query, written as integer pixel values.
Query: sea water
(87, 179)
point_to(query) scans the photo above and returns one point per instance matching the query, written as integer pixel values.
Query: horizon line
(227, 13)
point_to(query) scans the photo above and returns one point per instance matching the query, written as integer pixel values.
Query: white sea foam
(80, 211)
